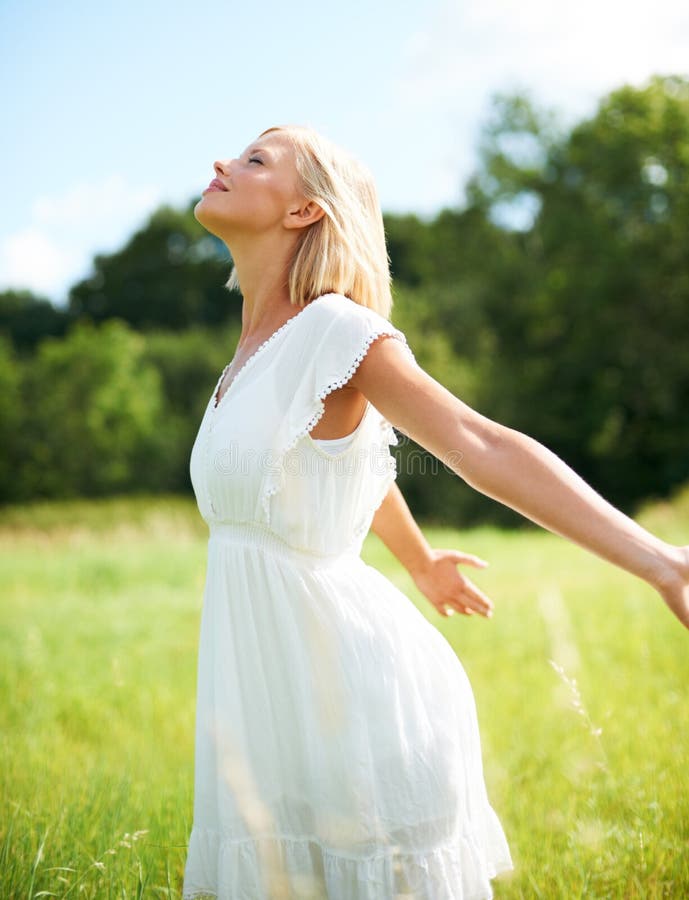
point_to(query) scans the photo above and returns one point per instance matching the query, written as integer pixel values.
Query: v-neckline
(217, 402)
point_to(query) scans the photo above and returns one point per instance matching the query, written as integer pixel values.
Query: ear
(305, 214)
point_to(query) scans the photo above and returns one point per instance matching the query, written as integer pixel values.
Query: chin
(202, 217)
(196, 211)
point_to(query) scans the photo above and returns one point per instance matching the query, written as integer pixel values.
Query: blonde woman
(337, 746)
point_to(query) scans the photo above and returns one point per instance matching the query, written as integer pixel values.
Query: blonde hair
(344, 252)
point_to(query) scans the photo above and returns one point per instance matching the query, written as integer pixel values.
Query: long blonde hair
(344, 252)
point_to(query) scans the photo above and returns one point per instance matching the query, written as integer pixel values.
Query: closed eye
(256, 159)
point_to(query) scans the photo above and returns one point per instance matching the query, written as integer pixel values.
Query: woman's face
(253, 193)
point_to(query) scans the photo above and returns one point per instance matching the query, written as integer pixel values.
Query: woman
(337, 746)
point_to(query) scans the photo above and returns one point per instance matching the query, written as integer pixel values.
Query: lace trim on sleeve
(318, 408)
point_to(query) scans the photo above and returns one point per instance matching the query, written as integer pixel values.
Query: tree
(25, 319)
(170, 274)
(594, 319)
(94, 420)
(11, 421)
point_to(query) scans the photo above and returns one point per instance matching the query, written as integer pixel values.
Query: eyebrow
(257, 150)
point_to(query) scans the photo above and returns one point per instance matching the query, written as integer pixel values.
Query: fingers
(481, 603)
(473, 600)
(468, 598)
(449, 609)
(470, 559)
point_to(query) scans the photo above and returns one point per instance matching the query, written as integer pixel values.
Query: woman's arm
(434, 571)
(517, 470)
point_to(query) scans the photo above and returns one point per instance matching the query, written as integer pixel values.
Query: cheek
(256, 202)
(263, 199)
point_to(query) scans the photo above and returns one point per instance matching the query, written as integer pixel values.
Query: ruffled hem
(302, 868)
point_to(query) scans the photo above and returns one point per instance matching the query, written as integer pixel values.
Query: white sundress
(337, 749)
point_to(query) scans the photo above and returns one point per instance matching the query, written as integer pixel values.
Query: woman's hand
(673, 585)
(447, 588)
(434, 571)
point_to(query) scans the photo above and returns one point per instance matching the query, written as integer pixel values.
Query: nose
(222, 167)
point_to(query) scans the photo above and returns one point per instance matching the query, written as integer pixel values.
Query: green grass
(98, 637)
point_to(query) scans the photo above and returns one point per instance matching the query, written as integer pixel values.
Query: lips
(216, 185)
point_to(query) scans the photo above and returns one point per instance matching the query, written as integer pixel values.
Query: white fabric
(335, 445)
(337, 746)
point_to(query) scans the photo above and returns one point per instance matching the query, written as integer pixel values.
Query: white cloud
(566, 56)
(66, 229)
(589, 47)
(30, 258)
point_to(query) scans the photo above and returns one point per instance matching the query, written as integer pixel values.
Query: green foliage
(10, 421)
(593, 323)
(105, 409)
(26, 319)
(170, 274)
(92, 413)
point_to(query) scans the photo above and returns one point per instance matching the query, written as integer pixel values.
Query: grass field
(585, 760)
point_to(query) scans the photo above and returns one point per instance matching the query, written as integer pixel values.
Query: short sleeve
(339, 336)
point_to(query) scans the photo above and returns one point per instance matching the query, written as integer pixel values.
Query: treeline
(556, 300)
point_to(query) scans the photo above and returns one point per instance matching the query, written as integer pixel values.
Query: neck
(262, 266)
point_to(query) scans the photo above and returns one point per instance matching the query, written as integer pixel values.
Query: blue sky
(113, 108)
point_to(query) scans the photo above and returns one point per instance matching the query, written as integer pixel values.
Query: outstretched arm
(517, 470)
(434, 571)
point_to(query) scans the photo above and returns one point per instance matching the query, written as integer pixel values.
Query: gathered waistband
(257, 535)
